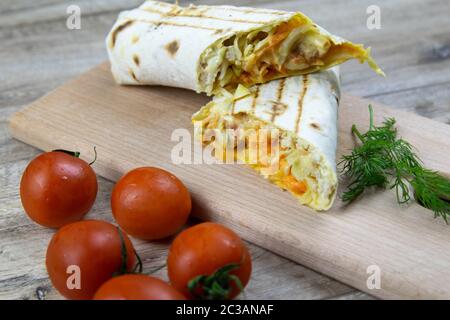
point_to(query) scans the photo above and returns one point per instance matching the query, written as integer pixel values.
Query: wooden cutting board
(132, 127)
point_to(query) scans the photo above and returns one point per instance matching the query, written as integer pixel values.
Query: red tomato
(57, 189)
(203, 250)
(150, 203)
(137, 287)
(90, 251)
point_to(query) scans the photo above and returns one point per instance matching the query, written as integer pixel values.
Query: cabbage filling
(293, 47)
(300, 167)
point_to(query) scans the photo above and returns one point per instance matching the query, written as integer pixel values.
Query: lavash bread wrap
(206, 48)
(303, 110)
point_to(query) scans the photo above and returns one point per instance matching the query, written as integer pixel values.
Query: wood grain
(133, 126)
(38, 53)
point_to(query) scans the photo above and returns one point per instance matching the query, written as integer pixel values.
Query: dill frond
(382, 160)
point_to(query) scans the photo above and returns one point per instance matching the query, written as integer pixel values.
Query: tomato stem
(124, 254)
(95, 157)
(138, 265)
(75, 154)
(123, 251)
(216, 286)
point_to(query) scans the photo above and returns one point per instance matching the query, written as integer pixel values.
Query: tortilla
(206, 48)
(302, 110)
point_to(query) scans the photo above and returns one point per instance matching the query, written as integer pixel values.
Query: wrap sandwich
(206, 48)
(302, 111)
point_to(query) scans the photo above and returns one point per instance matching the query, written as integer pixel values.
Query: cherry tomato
(137, 287)
(57, 189)
(83, 255)
(150, 203)
(204, 250)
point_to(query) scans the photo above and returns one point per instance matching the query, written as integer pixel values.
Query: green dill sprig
(382, 160)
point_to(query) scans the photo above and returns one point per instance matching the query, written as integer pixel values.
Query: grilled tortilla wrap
(205, 48)
(302, 111)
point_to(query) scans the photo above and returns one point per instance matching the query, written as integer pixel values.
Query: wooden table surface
(38, 53)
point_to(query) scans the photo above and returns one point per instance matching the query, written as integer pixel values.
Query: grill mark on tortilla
(280, 89)
(185, 14)
(242, 10)
(172, 47)
(276, 106)
(236, 9)
(255, 98)
(136, 59)
(133, 75)
(315, 126)
(300, 102)
(173, 24)
(118, 30)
